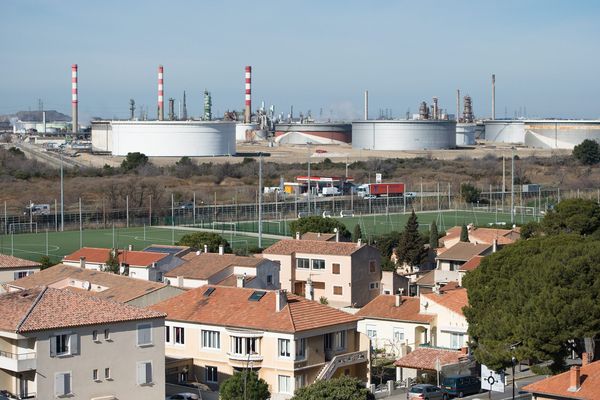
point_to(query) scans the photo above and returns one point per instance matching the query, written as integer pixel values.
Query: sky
(316, 55)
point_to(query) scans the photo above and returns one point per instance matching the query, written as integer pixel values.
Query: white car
(183, 396)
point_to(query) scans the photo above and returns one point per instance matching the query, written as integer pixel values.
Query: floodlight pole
(260, 193)
(512, 188)
(62, 195)
(308, 180)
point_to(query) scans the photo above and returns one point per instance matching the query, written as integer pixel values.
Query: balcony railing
(342, 360)
(17, 362)
(17, 356)
(245, 357)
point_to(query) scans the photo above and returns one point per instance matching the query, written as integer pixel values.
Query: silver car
(426, 392)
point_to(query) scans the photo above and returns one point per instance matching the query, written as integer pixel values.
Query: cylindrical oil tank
(465, 134)
(404, 134)
(560, 134)
(314, 132)
(173, 138)
(505, 131)
(245, 132)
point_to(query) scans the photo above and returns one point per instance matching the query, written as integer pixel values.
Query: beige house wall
(448, 323)
(8, 274)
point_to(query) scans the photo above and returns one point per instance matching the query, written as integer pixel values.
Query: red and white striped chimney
(74, 100)
(161, 101)
(248, 110)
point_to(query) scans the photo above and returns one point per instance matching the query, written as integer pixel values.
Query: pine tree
(112, 262)
(464, 234)
(357, 234)
(411, 249)
(433, 236)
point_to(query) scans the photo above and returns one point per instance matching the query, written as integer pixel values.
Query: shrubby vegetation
(197, 240)
(319, 225)
(587, 152)
(245, 384)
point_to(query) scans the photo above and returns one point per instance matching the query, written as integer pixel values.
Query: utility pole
(62, 195)
(308, 180)
(260, 191)
(512, 188)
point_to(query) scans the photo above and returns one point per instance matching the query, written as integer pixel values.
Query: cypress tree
(464, 234)
(411, 248)
(433, 236)
(357, 234)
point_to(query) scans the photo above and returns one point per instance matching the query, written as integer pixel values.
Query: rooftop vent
(257, 295)
(209, 291)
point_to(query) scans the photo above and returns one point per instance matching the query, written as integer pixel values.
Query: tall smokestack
(366, 105)
(493, 96)
(74, 100)
(161, 101)
(248, 109)
(457, 105)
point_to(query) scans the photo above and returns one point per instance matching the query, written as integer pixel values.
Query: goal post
(22, 227)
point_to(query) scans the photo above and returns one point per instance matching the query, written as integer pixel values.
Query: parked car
(183, 396)
(426, 392)
(461, 385)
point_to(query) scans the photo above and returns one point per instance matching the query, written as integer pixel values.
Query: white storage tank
(505, 131)
(465, 134)
(173, 138)
(404, 134)
(245, 132)
(560, 134)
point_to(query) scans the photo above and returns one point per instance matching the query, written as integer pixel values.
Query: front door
(299, 287)
(23, 387)
(328, 348)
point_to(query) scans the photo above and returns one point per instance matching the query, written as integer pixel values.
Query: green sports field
(57, 244)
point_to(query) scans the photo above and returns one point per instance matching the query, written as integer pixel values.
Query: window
(372, 331)
(372, 266)
(318, 264)
(144, 373)
(373, 285)
(212, 374)
(144, 334)
(284, 347)
(95, 375)
(335, 268)
(337, 290)
(398, 335)
(285, 384)
(167, 334)
(62, 383)
(20, 274)
(269, 279)
(300, 381)
(257, 295)
(300, 349)
(340, 340)
(179, 334)
(107, 334)
(95, 336)
(302, 263)
(456, 340)
(106, 373)
(64, 345)
(211, 339)
(243, 346)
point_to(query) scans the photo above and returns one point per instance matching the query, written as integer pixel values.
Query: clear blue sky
(312, 54)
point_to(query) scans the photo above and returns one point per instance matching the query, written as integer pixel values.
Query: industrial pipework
(248, 109)
(493, 96)
(161, 102)
(74, 100)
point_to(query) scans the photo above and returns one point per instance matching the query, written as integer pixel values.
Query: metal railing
(17, 356)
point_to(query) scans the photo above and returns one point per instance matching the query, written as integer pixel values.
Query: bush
(244, 383)
(587, 152)
(470, 193)
(197, 240)
(134, 160)
(319, 225)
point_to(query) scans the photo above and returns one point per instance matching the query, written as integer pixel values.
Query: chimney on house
(130, 247)
(495, 246)
(318, 234)
(198, 252)
(574, 379)
(398, 300)
(585, 359)
(82, 262)
(436, 288)
(280, 299)
(308, 290)
(240, 280)
(337, 234)
(297, 235)
(359, 242)
(221, 249)
(206, 248)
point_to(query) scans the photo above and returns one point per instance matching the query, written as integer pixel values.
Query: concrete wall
(447, 323)
(9, 274)
(156, 296)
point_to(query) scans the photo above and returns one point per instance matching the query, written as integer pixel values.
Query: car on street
(183, 396)
(369, 197)
(425, 391)
(461, 385)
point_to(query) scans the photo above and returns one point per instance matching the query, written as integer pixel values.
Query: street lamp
(248, 365)
(514, 361)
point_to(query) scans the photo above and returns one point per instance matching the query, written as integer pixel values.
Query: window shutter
(141, 371)
(59, 384)
(15, 276)
(52, 346)
(144, 334)
(148, 372)
(73, 344)
(67, 383)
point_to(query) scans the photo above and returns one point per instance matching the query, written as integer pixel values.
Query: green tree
(587, 152)
(342, 388)
(15, 151)
(185, 161)
(470, 193)
(197, 240)
(539, 293)
(434, 236)
(531, 229)
(464, 233)
(46, 262)
(357, 234)
(319, 225)
(133, 161)
(112, 262)
(411, 246)
(572, 216)
(247, 383)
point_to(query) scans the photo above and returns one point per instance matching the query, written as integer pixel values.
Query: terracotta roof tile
(558, 385)
(472, 264)
(453, 300)
(291, 246)
(100, 255)
(463, 251)
(205, 265)
(117, 287)
(484, 235)
(44, 308)
(384, 307)
(327, 237)
(231, 280)
(7, 262)
(425, 358)
(427, 279)
(230, 306)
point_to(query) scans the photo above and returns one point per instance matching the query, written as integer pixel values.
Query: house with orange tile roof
(346, 274)
(199, 269)
(395, 324)
(581, 383)
(57, 343)
(12, 268)
(470, 265)
(481, 236)
(428, 360)
(146, 265)
(449, 330)
(288, 340)
(457, 255)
